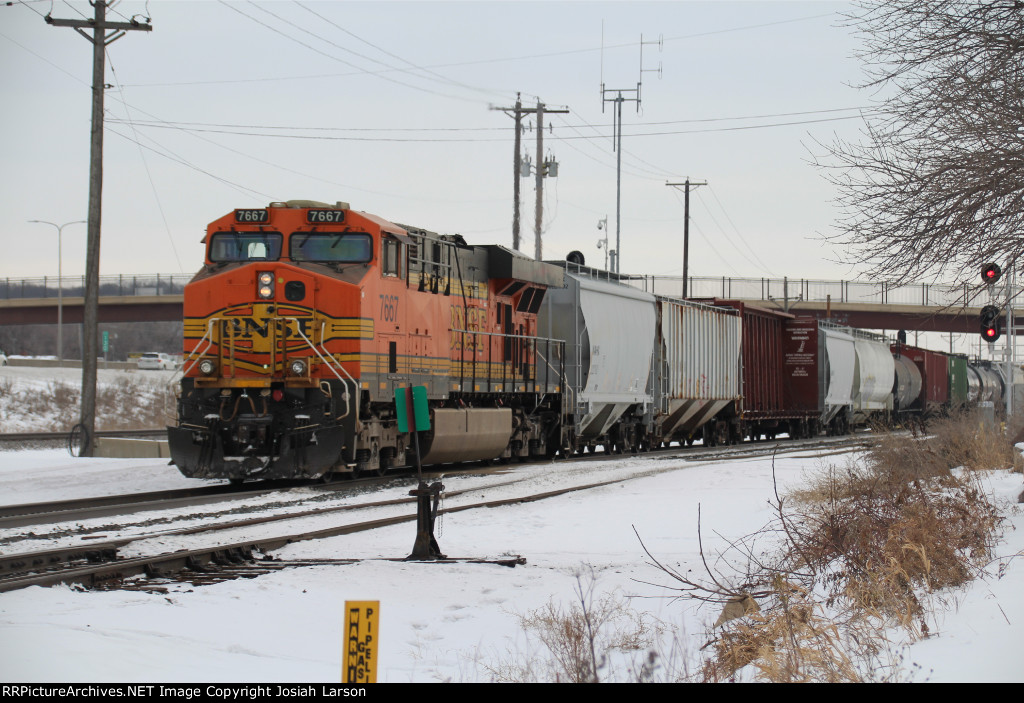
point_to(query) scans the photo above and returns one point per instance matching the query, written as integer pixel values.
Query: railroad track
(117, 562)
(26, 514)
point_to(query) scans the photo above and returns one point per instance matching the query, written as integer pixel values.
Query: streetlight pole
(60, 286)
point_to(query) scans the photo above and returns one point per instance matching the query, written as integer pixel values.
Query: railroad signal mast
(991, 327)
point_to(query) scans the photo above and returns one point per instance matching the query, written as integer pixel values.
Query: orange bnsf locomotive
(307, 317)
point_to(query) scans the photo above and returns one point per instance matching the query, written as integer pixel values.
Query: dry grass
(859, 549)
(969, 441)
(125, 405)
(794, 643)
(586, 642)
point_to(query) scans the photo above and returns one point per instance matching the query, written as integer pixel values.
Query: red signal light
(990, 328)
(990, 273)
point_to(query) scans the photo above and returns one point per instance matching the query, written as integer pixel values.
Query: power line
(437, 76)
(495, 139)
(336, 58)
(145, 164)
(735, 229)
(479, 62)
(328, 129)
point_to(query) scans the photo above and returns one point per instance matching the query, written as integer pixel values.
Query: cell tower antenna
(620, 96)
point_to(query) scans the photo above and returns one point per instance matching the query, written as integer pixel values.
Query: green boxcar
(957, 380)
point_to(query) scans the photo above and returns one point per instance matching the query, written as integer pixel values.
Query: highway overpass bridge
(915, 307)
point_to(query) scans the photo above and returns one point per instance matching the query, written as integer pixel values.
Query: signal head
(990, 273)
(991, 334)
(990, 328)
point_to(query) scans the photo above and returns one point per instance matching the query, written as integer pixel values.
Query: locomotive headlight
(207, 367)
(265, 287)
(297, 367)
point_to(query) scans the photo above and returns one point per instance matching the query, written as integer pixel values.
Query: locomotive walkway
(923, 307)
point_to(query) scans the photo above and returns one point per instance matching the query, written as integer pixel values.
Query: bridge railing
(809, 290)
(74, 286)
(775, 289)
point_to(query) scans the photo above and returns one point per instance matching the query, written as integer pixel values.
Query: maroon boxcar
(767, 407)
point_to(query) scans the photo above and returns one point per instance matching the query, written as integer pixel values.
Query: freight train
(306, 318)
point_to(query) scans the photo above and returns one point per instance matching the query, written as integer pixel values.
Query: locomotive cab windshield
(331, 247)
(229, 247)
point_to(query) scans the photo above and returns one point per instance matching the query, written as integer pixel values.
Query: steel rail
(15, 566)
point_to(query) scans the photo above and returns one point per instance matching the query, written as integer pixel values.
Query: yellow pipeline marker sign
(362, 620)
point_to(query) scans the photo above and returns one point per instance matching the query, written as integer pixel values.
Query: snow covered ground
(451, 622)
(47, 399)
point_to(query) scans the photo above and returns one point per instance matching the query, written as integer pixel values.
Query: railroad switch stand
(427, 498)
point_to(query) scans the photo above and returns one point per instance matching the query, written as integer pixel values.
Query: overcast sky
(387, 106)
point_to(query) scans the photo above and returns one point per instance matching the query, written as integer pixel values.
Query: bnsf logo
(247, 327)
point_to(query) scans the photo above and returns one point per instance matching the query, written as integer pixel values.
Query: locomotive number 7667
(389, 308)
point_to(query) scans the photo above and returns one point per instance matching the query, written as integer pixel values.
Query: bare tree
(936, 187)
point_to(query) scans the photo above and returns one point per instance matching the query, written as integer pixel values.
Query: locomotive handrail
(328, 364)
(569, 391)
(526, 338)
(209, 333)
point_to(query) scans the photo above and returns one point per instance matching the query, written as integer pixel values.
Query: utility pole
(90, 347)
(686, 227)
(517, 112)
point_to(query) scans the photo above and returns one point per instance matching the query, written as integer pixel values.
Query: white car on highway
(156, 361)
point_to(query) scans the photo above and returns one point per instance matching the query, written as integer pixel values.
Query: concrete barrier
(120, 448)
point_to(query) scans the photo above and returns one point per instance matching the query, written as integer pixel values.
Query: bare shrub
(792, 642)
(858, 549)
(879, 544)
(583, 640)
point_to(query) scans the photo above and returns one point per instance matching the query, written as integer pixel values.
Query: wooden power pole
(100, 38)
(686, 228)
(540, 172)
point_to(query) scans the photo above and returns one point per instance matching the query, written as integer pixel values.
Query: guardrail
(74, 286)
